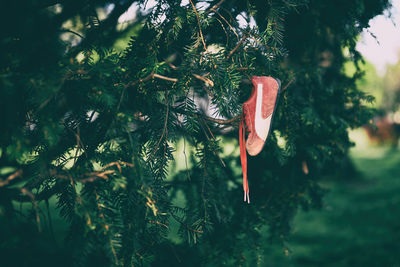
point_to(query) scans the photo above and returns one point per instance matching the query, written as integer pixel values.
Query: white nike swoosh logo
(262, 125)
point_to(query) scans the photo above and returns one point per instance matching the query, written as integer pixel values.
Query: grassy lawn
(359, 224)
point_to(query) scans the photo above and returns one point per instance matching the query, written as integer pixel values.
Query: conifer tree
(99, 133)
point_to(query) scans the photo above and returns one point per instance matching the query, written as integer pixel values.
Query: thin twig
(121, 98)
(288, 84)
(70, 31)
(199, 115)
(209, 130)
(106, 226)
(223, 27)
(34, 203)
(204, 79)
(148, 77)
(101, 214)
(159, 223)
(79, 144)
(172, 66)
(212, 135)
(152, 75)
(184, 224)
(158, 76)
(96, 175)
(214, 8)
(226, 21)
(11, 177)
(207, 81)
(244, 37)
(221, 121)
(45, 102)
(90, 179)
(101, 174)
(131, 84)
(198, 23)
(118, 164)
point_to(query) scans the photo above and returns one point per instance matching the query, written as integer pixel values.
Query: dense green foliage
(95, 130)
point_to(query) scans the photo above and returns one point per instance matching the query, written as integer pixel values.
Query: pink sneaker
(258, 113)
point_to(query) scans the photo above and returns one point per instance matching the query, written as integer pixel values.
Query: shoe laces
(243, 156)
(247, 118)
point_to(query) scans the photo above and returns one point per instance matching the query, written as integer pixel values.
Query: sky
(386, 48)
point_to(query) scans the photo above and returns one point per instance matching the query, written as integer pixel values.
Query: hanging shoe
(257, 117)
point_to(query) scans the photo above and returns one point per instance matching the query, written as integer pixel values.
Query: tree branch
(220, 121)
(11, 177)
(73, 32)
(214, 8)
(198, 23)
(288, 84)
(184, 224)
(226, 21)
(237, 46)
(158, 76)
(152, 75)
(204, 79)
(32, 197)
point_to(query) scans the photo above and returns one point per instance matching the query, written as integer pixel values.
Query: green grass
(359, 224)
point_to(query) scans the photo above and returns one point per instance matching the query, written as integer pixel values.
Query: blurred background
(360, 219)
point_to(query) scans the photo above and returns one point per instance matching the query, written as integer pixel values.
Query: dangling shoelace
(243, 158)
